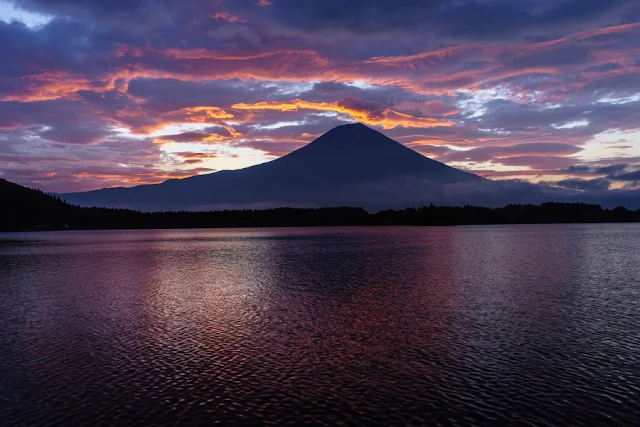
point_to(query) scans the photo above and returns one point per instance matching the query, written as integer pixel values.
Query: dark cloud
(75, 135)
(550, 57)
(162, 95)
(330, 90)
(579, 169)
(603, 68)
(211, 134)
(93, 8)
(136, 15)
(68, 122)
(535, 162)
(625, 172)
(600, 184)
(505, 18)
(472, 19)
(611, 168)
(488, 153)
(629, 176)
(618, 85)
(597, 170)
(359, 16)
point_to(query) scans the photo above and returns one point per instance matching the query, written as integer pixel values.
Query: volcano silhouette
(349, 165)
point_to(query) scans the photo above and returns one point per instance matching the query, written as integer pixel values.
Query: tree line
(28, 209)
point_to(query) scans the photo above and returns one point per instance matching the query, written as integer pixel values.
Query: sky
(107, 93)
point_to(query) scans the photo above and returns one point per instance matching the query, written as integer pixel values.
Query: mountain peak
(356, 136)
(356, 125)
(352, 128)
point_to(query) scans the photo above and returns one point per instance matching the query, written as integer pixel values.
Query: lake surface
(354, 326)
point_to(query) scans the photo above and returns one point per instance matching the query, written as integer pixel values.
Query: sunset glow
(99, 94)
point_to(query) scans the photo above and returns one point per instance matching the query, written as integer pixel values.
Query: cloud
(597, 169)
(211, 135)
(628, 176)
(488, 153)
(196, 155)
(67, 122)
(604, 68)
(364, 111)
(504, 87)
(626, 173)
(490, 20)
(475, 20)
(599, 184)
(273, 148)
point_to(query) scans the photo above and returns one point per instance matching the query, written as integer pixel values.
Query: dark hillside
(26, 208)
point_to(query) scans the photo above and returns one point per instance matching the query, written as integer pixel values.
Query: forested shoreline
(26, 209)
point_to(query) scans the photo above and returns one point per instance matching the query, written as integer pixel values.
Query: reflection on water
(466, 325)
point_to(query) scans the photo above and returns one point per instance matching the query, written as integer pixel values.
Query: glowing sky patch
(598, 147)
(624, 100)
(572, 125)
(179, 128)
(226, 157)
(278, 125)
(8, 13)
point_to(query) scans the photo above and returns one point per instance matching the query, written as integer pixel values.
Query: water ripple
(508, 325)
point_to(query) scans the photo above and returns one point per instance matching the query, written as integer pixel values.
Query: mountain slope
(24, 207)
(350, 164)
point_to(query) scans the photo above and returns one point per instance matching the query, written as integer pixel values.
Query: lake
(472, 325)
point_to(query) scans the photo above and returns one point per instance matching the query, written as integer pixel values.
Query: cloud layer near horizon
(122, 92)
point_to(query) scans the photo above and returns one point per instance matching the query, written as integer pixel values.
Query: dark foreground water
(353, 326)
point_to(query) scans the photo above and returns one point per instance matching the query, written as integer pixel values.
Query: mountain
(349, 165)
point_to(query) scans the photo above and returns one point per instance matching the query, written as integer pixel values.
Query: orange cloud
(136, 176)
(50, 85)
(197, 114)
(135, 119)
(221, 56)
(386, 118)
(191, 137)
(11, 126)
(196, 155)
